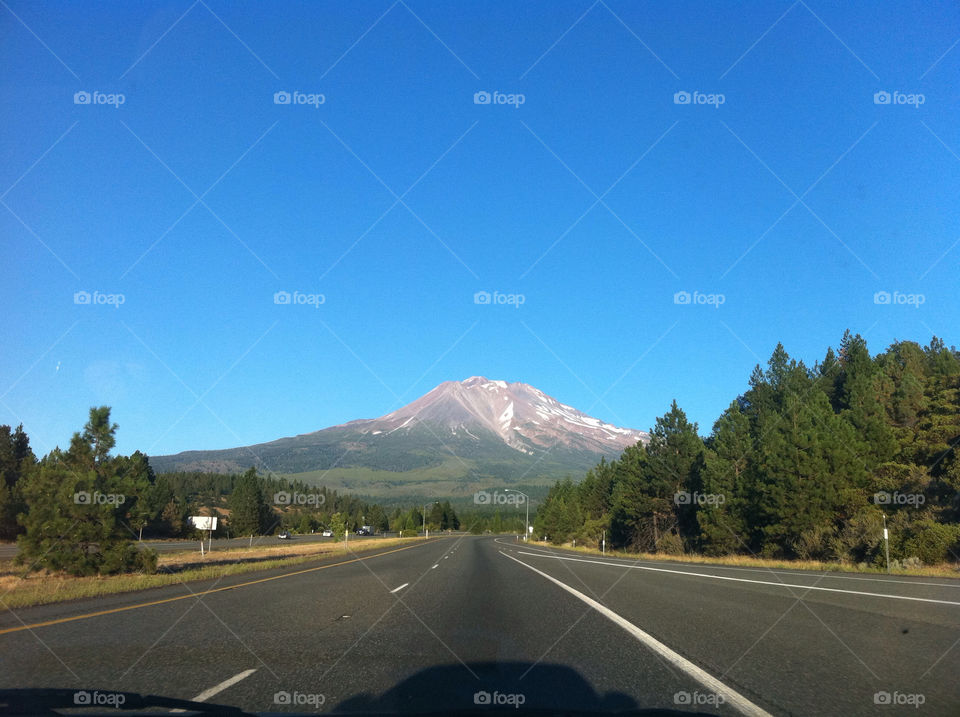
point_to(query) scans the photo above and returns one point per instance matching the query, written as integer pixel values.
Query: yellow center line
(88, 615)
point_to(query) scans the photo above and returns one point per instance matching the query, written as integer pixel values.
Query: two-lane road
(452, 623)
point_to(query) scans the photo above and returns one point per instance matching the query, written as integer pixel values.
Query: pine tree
(941, 360)
(16, 461)
(827, 376)
(249, 512)
(435, 517)
(806, 455)
(730, 451)
(77, 503)
(674, 463)
(634, 521)
(559, 517)
(99, 433)
(596, 490)
(137, 479)
(902, 374)
(858, 386)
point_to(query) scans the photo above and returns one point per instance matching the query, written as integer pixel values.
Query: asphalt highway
(462, 623)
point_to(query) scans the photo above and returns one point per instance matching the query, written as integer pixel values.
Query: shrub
(933, 542)
(671, 544)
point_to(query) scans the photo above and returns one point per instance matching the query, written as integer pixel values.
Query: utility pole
(425, 532)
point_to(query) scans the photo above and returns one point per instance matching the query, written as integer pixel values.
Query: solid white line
(744, 580)
(207, 694)
(731, 696)
(396, 590)
(772, 571)
(517, 546)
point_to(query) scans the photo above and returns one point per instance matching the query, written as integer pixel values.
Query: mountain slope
(522, 416)
(479, 429)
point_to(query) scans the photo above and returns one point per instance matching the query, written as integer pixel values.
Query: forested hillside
(807, 463)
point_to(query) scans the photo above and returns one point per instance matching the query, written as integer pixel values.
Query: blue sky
(597, 199)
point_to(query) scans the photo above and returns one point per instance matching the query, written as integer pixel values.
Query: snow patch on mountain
(521, 415)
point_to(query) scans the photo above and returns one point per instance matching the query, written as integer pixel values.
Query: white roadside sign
(203, 522)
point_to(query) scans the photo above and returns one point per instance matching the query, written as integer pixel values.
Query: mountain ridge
(482, 429)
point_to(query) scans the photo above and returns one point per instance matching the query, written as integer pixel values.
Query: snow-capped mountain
(460, 434)
(524, 417)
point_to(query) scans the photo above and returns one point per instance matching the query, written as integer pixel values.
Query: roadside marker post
(886, 541)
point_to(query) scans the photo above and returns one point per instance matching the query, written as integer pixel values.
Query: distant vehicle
(285, 535)
(365, 530)
(328, 533)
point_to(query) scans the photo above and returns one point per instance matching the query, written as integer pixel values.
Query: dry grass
(945, 570)
(19, 590)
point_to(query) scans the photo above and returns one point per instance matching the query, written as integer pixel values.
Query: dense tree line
(499, 521)
(83, 511)
(807, 463)
(439, 516)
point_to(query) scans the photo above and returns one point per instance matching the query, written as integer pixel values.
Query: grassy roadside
(946, 570)
(18, 590)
